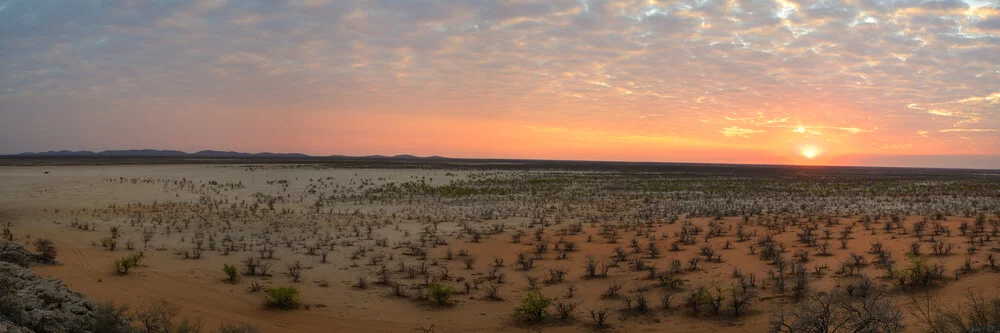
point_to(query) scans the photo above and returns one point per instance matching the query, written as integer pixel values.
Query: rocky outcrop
(16, 254)
(9, 327)
(29, 303)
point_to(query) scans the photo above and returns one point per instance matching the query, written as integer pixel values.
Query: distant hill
(130, 152)
(203, 153)
(153, 156)
(216, 153)
(60, 153)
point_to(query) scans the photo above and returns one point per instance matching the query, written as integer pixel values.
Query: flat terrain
(656, 232)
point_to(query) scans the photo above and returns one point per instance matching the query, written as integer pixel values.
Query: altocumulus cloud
(888, 72)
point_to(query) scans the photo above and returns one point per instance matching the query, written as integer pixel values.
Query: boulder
(29, 303)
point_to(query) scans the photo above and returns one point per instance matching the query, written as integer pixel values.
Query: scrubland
(458, 248)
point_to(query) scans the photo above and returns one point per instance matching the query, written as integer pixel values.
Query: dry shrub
(46, 249)
(977, 315)
(819, 313)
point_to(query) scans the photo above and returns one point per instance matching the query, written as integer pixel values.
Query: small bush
(600, 316)
(439, 292)
(919, 273)
(977, 315)
(256, 286)
(124, 264)
(362, 283)
(46, 249)
(875, 312)
(282, 297)
(109, 243)
(231, 273)
(157, 316)
(493, 292)
(110, 318)
(398, 289)
(565, 309)
(534, 306)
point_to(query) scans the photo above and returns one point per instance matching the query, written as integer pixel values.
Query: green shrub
(110, 318)
(231, 272)
(919, 273)
(439, 292)
(123, 265)
(283, 297)
(109, 243)
(534, 307)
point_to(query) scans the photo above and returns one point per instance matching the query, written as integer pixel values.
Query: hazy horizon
(806, 82)
(930, 161)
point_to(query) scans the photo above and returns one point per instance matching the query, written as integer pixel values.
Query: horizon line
(150, 153)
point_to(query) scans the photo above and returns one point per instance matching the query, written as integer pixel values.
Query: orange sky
(902, 83)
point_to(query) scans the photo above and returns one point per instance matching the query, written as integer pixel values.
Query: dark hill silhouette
(203, 153)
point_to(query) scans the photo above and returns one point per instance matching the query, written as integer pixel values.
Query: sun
(809, 152)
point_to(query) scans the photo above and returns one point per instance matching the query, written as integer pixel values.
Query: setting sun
(810, 152)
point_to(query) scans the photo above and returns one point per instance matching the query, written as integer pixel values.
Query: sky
(837, 82)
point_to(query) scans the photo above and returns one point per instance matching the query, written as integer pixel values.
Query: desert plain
(458, 247)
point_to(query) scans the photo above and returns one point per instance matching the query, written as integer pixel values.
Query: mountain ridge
(202, 153)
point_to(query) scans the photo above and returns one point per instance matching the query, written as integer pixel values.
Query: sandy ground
(135, 198)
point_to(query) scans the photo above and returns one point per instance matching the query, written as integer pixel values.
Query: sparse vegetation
(439, 292)
(534, 306)
(705, 244)
(110, 318)
(282, 297)
(232, 274)
(45, 249)
(978, 314)
(124, 264)
(834, 312)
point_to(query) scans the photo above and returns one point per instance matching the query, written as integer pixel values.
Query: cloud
(963, 130)
(760, 119)
(968, 110)
(993, 98)
(990, 23)
(742, 132)
(677, 68)
(812, 129)
(960, 132)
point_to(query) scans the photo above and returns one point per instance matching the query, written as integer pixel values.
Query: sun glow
(810, 152)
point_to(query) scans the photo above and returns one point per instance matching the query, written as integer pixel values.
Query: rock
(14, 253)
(32, 304)
(7, 327)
